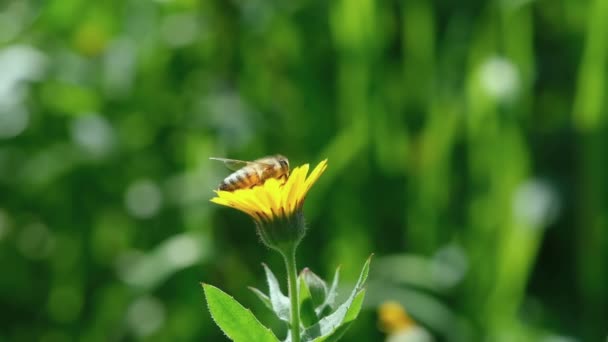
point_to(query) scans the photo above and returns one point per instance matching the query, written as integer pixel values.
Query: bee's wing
(235, 165)
(232, 164)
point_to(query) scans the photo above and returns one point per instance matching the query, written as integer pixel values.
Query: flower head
(276, 205)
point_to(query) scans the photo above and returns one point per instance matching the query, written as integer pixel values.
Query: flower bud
(282, 233)
(316, 286)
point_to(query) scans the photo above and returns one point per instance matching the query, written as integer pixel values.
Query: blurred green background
(466, 143)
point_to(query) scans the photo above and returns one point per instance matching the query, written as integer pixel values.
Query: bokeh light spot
(183, 251)
(35, 241)
(65, 303)
(179, 29)
(535, 203)
(18, 64)
(449, 266)
(13, 121)
(94, 134)
(143, 198)
(145, 316)
(500, 78)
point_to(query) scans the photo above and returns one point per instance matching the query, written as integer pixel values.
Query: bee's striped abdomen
(241, 179)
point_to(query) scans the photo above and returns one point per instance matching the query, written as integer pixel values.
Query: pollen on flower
(275, 198)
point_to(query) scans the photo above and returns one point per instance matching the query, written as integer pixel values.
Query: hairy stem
(292, 279)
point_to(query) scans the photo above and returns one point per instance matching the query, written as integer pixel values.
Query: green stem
(292, 279)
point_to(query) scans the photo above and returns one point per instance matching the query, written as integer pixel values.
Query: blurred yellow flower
(275, 198)
(393, 317)
(399, 327)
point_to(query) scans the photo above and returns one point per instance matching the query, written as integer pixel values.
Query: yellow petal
(293, 197)
(220, 200)
(315, 174)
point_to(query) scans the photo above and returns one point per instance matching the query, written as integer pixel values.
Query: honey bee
(248, 174)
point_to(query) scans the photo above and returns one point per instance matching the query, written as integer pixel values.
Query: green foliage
(262, 296)
(466, 143)
(316, 286)
(238, 323)
(332, 326)
(307, 307)
(278, 301)
(316, 325)
(322, 302)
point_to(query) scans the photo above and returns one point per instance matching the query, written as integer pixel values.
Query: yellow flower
(393, 317)
(276, 205)
(275, 197)
(394, 320)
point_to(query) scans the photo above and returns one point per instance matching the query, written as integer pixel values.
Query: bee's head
(284, 162)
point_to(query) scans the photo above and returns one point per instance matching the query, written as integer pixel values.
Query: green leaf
(280, 303)
(334, 325)
(307, 308)
(264, 298)
(351, 315)
(343, 315)
(332, 294)
(238, 323)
